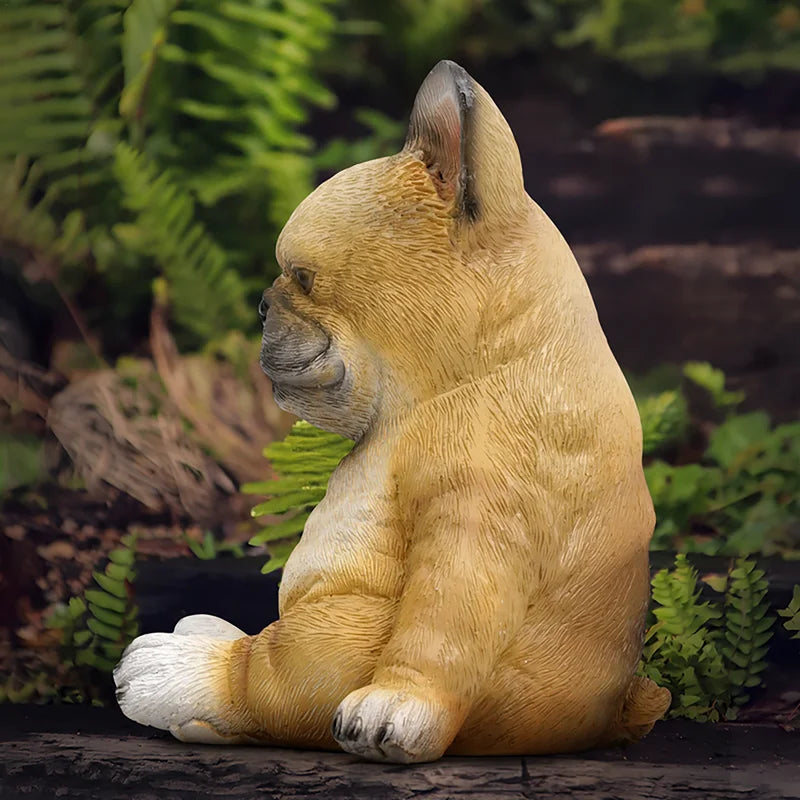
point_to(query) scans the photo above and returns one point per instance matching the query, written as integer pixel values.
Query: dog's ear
(466, 144)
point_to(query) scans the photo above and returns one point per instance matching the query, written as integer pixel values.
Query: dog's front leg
(465, 597)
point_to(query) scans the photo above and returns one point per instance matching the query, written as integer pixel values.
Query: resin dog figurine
(475, 580)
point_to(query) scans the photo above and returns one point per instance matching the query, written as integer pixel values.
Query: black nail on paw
(384, 732)
(354, 730)
(336, 727)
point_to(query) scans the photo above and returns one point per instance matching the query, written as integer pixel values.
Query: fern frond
(257, 61)
(55, 83)
(47, 78)
(747, 628)
(303, 461)
(206, 292)
(28, 226)
(676, 594)
(792, 613)
(708, 654)
(144, 32)
(98, 626)
(665, 420)
(680, 648)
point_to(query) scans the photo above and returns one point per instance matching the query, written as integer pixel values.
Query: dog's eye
(304, 277)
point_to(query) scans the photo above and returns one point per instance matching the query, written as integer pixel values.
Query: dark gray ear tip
(454, 71)
(447, 64)
(446, 80)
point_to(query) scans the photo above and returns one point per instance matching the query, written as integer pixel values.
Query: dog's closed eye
(304, 278)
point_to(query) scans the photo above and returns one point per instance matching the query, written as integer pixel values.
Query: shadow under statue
(475, 580)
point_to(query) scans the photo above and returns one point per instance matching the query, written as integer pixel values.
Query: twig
(49, 272)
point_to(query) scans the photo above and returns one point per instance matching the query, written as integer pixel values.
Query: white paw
(177, 681)
(206, 625)
(389, 725)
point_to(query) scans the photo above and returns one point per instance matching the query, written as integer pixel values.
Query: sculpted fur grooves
(475, 580)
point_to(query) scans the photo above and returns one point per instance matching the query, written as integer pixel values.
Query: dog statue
(476, 579)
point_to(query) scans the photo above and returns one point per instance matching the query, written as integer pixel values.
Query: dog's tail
(645, 704)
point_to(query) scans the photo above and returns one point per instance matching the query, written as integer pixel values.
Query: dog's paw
(393, 725)
(206, 625)
(178, 681)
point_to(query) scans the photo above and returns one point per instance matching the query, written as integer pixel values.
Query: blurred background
(151, 150)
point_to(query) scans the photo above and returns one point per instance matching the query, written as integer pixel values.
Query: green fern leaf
(792, 613)
(107, 617)
(112, 651)
(105, 600)
(110, 585)
(205, 292)
(282, 530)
(102, 629)
(104, 621)
(747, 626)
(144, 32)
(281, 504)
(122, 556)
(279, 555)
(303, 461)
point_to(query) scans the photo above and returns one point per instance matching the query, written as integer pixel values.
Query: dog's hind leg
(209, 682)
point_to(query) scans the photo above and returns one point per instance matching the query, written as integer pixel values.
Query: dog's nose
(263, 307)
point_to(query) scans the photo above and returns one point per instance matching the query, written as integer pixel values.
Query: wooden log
(661, 180)
(735, 134)
(80, 752)
(735, 306)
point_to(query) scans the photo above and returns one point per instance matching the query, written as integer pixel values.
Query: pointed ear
(465, 143)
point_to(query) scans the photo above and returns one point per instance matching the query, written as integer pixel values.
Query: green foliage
(713, 381)
(54, 79)
(97, 627)
(22, 461)
(414, 33)
(742, 494)
(141, 138)
(303, 463)
(209, 548)
(663, 407)
(652, 37)
(792, 614)
(36, 687)
(747, 628)
(744, 497)
(708, 654)
(237, 79)
(665, 420)
(384, 137)
(205, 290)
(55, 74)
(745, 36)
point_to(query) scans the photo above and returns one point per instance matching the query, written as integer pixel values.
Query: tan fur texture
(476, 578)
